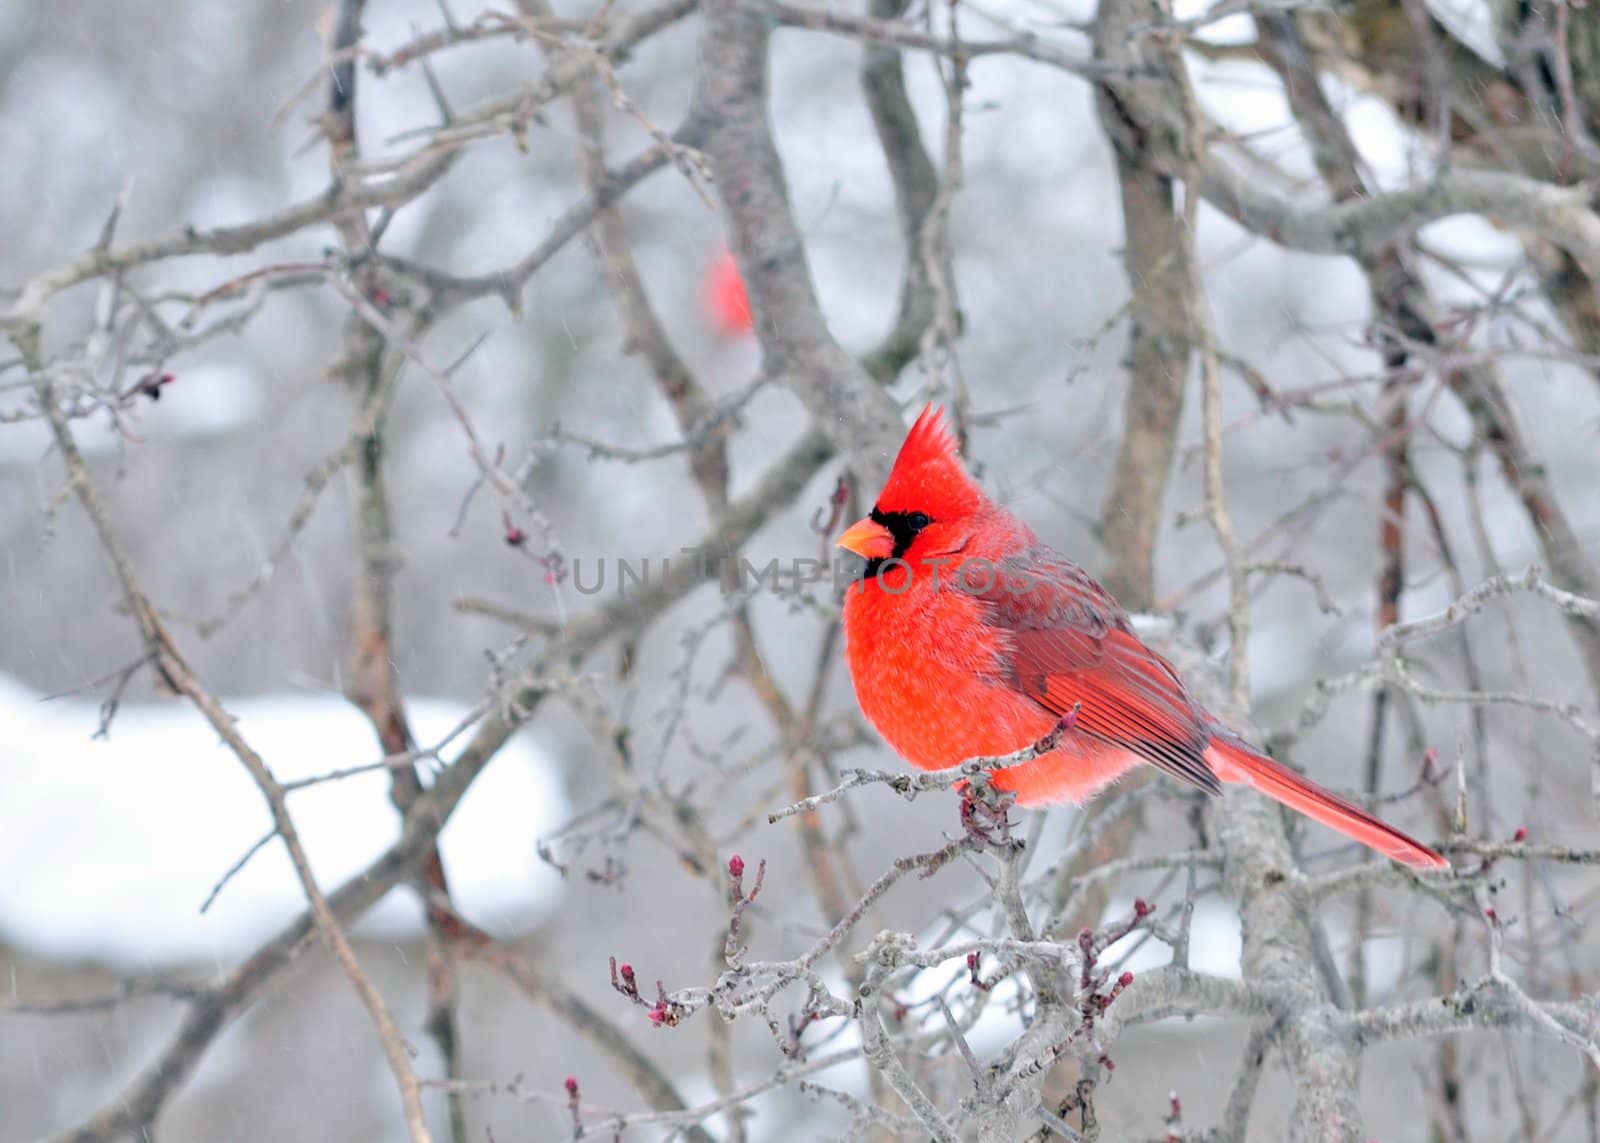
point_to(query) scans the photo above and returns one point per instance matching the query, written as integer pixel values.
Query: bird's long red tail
(1235, 762)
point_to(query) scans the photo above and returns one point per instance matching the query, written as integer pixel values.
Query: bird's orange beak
(868, 539)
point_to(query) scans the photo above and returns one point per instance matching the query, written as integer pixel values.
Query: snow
(112, 846)
(1473, 23)
(1215, 940)
(1216, 944)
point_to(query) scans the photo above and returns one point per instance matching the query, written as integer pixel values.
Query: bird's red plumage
(974, 640)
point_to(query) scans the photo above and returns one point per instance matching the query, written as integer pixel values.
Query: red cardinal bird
(967, 637)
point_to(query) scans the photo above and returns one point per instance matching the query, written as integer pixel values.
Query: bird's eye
(919, 521)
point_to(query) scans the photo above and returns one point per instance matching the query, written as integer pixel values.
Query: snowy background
(110, 847)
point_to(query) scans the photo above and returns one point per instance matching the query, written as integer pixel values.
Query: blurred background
(200, 111)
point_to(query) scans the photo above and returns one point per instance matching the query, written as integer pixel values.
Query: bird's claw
(985, 813)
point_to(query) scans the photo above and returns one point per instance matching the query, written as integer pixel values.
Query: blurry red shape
(727, 304)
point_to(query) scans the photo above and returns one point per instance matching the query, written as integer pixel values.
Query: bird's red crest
(927, 475)
(929, 437)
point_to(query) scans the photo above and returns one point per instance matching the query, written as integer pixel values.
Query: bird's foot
(986, 814)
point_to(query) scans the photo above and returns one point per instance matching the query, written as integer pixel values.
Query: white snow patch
(1216, 945)
(1214, 940)
(1471, 22)
(113, 845)
(1474, 240)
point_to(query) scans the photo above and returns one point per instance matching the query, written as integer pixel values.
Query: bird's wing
(1067, 644)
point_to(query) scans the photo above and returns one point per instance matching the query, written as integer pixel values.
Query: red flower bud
(151, 384)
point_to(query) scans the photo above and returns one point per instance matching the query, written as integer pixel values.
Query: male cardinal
(967, 638)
